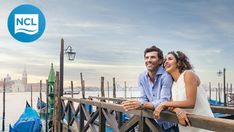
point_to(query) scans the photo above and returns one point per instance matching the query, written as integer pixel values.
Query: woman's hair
(182, 61)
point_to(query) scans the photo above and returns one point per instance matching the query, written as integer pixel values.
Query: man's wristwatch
(142, 106)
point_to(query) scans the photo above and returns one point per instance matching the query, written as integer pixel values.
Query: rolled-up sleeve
(143, 98)
(165, 94)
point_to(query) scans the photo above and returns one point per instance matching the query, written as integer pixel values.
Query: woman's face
(170, 63)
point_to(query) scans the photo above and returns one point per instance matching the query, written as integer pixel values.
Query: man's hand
(158, 110)
(131, 104)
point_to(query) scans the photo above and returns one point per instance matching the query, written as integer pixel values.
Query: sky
(110, 36)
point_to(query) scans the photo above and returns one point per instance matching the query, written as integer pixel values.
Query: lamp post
(71, 57)
(224, 84)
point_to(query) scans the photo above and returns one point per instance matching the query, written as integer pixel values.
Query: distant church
(20, 85)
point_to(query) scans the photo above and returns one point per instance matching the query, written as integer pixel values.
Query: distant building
(20, 85)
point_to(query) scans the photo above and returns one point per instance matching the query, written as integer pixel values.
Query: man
(154, 84)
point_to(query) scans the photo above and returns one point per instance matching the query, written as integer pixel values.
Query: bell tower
(24, 77)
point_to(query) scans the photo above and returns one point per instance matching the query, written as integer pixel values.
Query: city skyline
(109, 38)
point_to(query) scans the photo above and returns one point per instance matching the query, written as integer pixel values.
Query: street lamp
(224, 83)
(71, 57)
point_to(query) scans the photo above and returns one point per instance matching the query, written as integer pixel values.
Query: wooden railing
(75, 117)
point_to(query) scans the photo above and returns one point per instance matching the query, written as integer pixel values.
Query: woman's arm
(191, 83)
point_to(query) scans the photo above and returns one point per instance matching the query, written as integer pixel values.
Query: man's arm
(165, 94)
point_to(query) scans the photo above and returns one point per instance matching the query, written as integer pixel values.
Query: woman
(187, 96)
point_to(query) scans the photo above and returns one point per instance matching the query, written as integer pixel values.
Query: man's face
(152, 61)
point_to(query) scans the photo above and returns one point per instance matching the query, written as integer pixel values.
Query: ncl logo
(26, 23)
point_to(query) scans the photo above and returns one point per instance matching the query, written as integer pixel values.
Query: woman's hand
(182, 117)
(158, 110)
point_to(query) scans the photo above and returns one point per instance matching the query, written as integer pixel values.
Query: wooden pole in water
(72, 89)
(82, 85)
(219, 91)
(108, 89)
(3, 113)
(114, 88)
(102, 87)
(125, 89)
(57, 105)
(231, 88)
(40, 96)
(224, 86)
(47, 104)
(209, 90)
(216, 95)
(31, 97)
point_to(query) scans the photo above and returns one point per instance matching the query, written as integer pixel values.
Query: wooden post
(4, 99)
(40, 96)
(131, 92)
(216, 95)
(82, 85)
(231, 88)
(227, 91)
(209, 90)
(219, 92)
(102, 87)
(57, 105)
(82, 117)
(125, 90)
(108, 90)
(31, 97)
(102, 120)
(224, 86)
(47, 102)
(114, 88)
(72, 89)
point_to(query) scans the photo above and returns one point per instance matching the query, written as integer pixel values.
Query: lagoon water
(15, 103)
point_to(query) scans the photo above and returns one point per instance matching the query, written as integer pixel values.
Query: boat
(40, 104)
(29, 121)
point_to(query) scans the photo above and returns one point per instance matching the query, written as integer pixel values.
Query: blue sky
(110, 36)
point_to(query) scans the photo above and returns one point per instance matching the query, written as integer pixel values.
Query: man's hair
(154, 48)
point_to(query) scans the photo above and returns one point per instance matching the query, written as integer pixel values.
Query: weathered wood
(110, 99)
(82, 85)
(40, 96)
(102, 88)
(154, 127)
(82, 116)
(130, 124)
(209, 90)
(146, 117)
(108, 89)
(114, 88)
(224, 110)
(31, 97)
(72, 89)
(219, 91)
(110, 120)
(91, 120)
(102, 120)
(57, 117)
(47, 103)
(87, 116)
(120, 117)
(69, 115)
(125, 89)
(4, 102)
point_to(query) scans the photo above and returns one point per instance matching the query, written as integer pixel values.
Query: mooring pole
(3, 113)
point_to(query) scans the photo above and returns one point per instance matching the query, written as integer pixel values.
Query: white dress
(202, 106)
